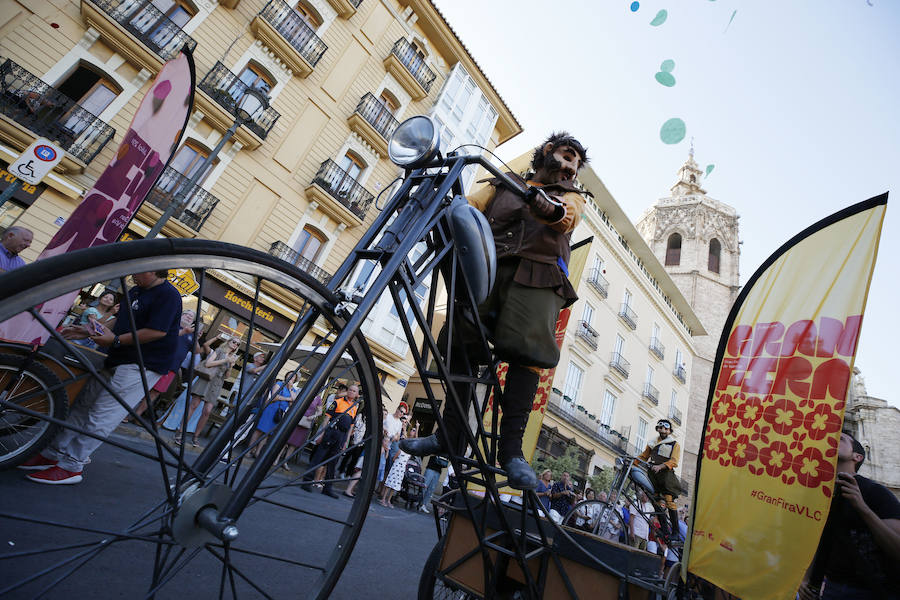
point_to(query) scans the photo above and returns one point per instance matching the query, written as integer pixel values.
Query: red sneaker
(37, 463)
(56, 476)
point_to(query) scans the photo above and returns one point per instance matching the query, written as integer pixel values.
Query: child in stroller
(413, 484)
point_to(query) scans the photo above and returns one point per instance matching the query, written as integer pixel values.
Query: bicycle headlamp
(415, 142)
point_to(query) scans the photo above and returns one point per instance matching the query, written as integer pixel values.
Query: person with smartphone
(859, 552)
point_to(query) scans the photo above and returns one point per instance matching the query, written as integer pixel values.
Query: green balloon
(672, 131)
(709, 169)
(660, 18)
(665, 78)
(667, 65)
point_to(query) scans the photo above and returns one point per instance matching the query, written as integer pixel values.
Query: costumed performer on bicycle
(663, 454)
(532, 241)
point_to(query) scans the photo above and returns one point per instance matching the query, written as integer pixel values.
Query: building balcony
(680, 373)
(219, 93)
(675, 415)
(138, 30)
(578, 417)
(409, 69)
(651, 394)
(618, 363)
(339, 195)
(598, 282)
(284, 31)
(194, 203)
(29, 109)
(289, 255)
(374, 123)
(657, 348)
(628, 316)
(588, 334)
(345, 8)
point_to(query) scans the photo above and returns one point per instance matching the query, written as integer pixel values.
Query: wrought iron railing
(618, 362)
(657, 348)
(679, 373)
(378, 115)
(414, 63)
(226, 89)
(343, 188)
(581, 419)
(288, 254)
(588, 334)
(651, 393)
(47, 112)
(194, 204)
(675, 415)
(627, 314)
(143, 20)
(598, 282)
(291, 26)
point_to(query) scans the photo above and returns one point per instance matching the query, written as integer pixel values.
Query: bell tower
(696, 238)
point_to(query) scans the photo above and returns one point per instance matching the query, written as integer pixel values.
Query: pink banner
(110, 205)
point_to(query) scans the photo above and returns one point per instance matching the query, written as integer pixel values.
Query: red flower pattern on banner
(723, 409)
(750, 411)
(776, 458)
(812, 468)
(742, 451)
(783, 415)
(821, 421)
(715, 444)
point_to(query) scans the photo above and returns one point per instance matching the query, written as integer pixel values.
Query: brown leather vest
(518, 233)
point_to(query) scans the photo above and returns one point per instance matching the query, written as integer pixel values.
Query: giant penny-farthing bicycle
(218, 510)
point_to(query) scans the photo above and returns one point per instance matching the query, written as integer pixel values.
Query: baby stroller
(413, 484)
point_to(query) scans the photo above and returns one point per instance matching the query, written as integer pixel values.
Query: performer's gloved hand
(544, 207)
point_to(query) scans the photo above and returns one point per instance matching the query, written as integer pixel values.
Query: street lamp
(249, 106)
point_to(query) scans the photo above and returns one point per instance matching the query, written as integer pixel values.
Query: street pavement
(386, 562)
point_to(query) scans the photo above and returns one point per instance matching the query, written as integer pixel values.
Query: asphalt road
(386, 562)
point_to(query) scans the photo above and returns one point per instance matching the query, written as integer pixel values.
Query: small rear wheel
(432, 587)
(26, 384)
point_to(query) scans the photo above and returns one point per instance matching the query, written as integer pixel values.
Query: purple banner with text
(109, 206)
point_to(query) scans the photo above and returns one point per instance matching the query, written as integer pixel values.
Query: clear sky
(795, 103)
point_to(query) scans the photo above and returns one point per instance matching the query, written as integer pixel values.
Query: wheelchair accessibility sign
(37, 160)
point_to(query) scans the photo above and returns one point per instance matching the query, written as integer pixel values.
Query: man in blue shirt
(15, 240)
(156, 307)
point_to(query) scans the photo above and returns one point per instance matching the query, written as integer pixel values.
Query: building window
(189, 158)
(650, 373)
(390, 102)
(159, 24)
(352, 164)
(91, 90)
(620, 345)
(673, 250)
(310, 243)
(310, 16)
(598, 264)
(608, 408)
(253, 76)
(673, 403)
(715, 251)
(626, 300)
(640, 440)
(574, 376)
(587, 315)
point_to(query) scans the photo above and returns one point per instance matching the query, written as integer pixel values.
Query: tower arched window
(673, 250)
(715, 252)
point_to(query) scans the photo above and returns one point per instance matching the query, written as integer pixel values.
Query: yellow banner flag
(765, 476)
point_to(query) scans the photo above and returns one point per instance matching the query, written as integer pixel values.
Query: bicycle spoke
(271, 556)
(239, 573)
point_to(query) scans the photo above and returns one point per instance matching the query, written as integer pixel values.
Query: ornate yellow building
(300, 180)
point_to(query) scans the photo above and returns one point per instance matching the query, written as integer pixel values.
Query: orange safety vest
(342, 405)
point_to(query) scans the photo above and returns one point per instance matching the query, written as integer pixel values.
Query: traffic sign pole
(11, 189)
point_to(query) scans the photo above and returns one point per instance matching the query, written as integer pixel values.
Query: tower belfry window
(673, 250)
(715, 251)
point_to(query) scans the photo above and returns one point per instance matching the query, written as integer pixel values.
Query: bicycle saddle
(475, 246)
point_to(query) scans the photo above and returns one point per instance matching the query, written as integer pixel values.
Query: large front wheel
(147, 508)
